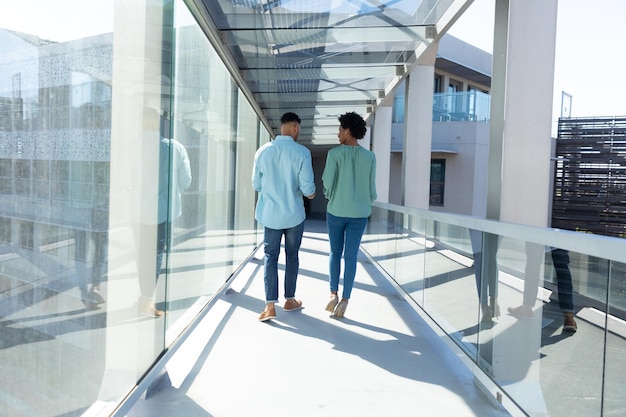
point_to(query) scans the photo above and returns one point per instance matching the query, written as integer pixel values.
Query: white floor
(380, 360)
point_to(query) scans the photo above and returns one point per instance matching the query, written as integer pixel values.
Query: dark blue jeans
(560, 259)
(271, 242)
(344, 234)
(95, 276)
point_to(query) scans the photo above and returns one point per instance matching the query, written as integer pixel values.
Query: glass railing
(467, 106)
(503, 294)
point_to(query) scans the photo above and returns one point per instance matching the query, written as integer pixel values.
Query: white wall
(467, 146)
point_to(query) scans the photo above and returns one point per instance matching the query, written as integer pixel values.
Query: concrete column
(526, 143)
(519, 177)
(382, 148)
(446, 82)
(418, 132)
(496, 125)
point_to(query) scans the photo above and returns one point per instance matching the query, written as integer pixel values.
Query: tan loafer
(292, 304)
(267, 314)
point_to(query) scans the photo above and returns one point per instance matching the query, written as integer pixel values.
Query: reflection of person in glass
(82, 238)
(159, 205)
(91, 246)
(486, 273)
(560, 260)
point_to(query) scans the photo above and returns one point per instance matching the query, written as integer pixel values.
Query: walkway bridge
(382, 359)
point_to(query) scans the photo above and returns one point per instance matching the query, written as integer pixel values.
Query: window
(5, 230)
(398, 109)
(454, 86)
(437, 181)
(438, 85)
(26, 235)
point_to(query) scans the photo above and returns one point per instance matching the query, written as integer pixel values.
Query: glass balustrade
(462, 106)
(505, 294)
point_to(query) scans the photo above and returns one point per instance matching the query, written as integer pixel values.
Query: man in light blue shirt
(282, 175)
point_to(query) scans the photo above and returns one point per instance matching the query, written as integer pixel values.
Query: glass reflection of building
(55, 127)
(73, 135)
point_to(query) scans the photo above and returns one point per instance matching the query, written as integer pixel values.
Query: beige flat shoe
(334, 300)
(341, 309)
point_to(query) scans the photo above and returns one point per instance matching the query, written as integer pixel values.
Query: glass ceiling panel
(272, 14)
(317, 85)
(322, 58)
(350, 56)
(374, 38)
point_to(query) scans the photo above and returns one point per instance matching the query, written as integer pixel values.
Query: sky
(52, 22)
(590, 62)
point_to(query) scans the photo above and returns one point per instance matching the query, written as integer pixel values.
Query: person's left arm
(329, 175)
(256, 174)
(373, 195)
(184, 168)
(306, 178)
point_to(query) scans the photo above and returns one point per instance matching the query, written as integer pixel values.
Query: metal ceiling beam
(345, 97)
(330, 73)
(313, 38)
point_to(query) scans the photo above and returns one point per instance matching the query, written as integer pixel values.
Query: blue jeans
(271, 242)
(83, 239)
(345, 235)
(560, 259)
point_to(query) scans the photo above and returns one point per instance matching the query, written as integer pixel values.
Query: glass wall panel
(380, 238)
(535, 359)
(197, 266)
(55, 142)
(245, 197)
(125, 158)
(139, 216)
(452, 283)
(411, 247)
(574, 359)
(509, 352)
(531, 316)
(216, 230)
(614, 401)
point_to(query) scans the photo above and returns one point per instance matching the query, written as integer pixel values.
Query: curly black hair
(354, 123)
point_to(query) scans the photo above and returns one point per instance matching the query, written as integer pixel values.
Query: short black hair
(289, 117)
(354, 123)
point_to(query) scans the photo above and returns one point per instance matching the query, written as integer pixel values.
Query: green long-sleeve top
(349, 180)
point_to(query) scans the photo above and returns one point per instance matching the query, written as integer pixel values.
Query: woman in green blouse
(349, 180)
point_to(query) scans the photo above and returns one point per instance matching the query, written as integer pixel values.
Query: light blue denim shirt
(282, 175)
(159, 181)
